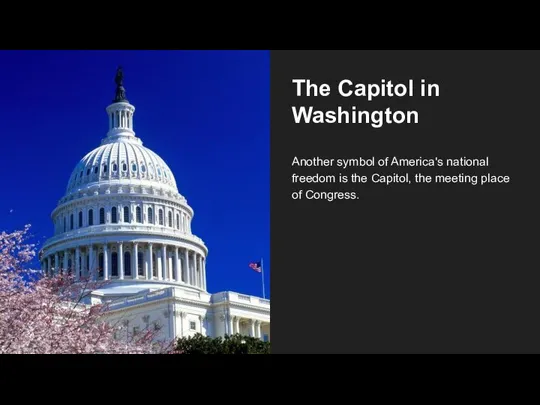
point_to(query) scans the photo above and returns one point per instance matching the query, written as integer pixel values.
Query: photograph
(136, 217)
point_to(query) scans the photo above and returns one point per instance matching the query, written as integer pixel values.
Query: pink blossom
(47, 314)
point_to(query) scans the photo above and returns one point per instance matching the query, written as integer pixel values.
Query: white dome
(122, 218)
(124, 161)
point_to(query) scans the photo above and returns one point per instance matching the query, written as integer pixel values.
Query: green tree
(235, 344)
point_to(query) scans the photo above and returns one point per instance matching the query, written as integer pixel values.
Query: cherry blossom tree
(47, 315)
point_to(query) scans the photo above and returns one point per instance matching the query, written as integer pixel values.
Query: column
(65, 267)
(176, 265)
(120, 261)
(158, 264)
(252, 328)
(259, 330)
(204, 274)
(186, 256)
(109, 261)
(77, 264)
(149, 274)
(91, 267)
(195, 280)
(200, 271)
(231, 326)
(135, 262)
(180, 268)
(84, 265)
(192, 269)
(237, 319)
(164, 266)
(105, 263)
(182, 316)
(56, 263)
(144, 251)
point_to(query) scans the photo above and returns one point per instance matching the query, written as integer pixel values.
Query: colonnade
(133, 213)
(129, 260)
(244, 326)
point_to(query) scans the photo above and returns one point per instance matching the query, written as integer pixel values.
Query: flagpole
(262, 277)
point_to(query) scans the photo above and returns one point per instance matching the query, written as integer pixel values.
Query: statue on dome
(120, 91)
(119, 79)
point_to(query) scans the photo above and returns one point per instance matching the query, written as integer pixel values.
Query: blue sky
(205, 113)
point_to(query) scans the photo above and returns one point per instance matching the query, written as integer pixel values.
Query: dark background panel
(409, 268)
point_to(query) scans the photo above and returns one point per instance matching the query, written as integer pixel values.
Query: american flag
(256, 266)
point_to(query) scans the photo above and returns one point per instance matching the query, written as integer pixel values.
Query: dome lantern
(120, 114)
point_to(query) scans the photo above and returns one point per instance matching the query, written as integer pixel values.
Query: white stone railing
(148, 187)
(240, 298)
(228, 296)
(158, 230)
(134, 300)
(192, 294)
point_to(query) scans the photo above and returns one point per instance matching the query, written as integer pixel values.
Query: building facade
(122, 221)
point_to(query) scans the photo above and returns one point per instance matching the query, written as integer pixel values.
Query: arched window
(126, 214)
(71, 222)
(170, 219)
(80, 219)
(90, 217)
(150, 216)
(102, 215)
(88, 172)
(143, 168)
(133, 167)
(114, 264)
(161, 217)
(177, 221)
(114, 167)
(114, 218)
(140, 263)
(124, 167)
(95, 170)
(127, 264)
(105, 168)
(138, 215)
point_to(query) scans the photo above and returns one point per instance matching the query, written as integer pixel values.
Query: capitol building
(122, 221)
